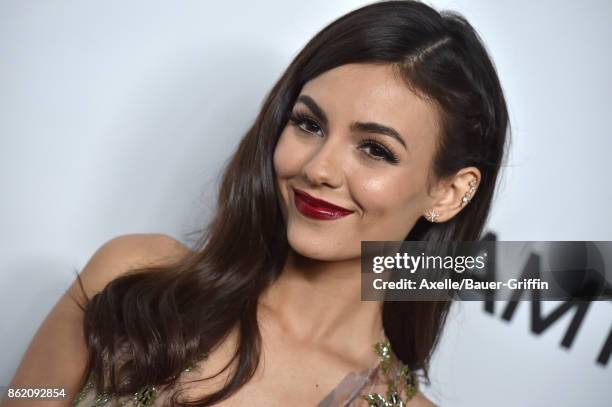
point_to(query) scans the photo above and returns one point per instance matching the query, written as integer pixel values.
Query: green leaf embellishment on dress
(81, 395)
(398, 376)
(145, 397)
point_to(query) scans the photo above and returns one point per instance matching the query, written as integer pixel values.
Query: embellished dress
(388, 384)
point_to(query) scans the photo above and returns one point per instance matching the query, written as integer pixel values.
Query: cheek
(287, 156)
(387, 194)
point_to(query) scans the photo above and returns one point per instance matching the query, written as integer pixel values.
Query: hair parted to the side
(146, 327)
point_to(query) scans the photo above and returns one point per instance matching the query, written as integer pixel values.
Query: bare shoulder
(419, 400)
(57, 355)
(127, 252)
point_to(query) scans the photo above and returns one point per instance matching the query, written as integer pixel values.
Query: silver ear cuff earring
(468, 195)
(431, 215)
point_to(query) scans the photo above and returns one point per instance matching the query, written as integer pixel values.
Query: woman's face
(361, 140)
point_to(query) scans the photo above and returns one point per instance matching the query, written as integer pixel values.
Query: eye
(305, 123)
(378, 151)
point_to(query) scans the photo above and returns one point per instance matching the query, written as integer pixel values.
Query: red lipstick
(317, 208)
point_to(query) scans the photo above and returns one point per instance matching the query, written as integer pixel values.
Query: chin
(322, 248)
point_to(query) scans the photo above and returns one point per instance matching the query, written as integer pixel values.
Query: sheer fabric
(388, 384)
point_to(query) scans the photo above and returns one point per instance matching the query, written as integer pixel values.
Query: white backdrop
(116, 116)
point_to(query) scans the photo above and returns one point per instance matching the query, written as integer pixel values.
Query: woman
(389, 125)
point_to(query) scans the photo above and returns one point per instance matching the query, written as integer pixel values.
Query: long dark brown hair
(165, 318)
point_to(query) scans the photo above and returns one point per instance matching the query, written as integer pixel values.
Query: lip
(316, 208)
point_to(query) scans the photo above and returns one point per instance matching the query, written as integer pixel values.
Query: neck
(319, 302)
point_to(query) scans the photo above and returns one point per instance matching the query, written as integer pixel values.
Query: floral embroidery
(396, 374)
(145, 397)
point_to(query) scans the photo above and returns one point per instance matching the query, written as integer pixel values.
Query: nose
(324, 166)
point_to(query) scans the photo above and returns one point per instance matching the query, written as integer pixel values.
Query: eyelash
(297, 119)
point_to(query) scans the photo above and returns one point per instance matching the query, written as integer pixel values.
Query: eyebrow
(368, 127)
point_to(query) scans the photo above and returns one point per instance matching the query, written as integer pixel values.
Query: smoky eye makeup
(374, 149)
(378, 150)
(305, 122)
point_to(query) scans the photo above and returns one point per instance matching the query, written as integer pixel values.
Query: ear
(453, 194)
